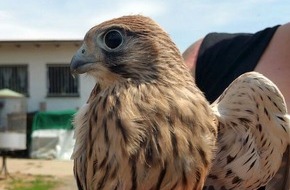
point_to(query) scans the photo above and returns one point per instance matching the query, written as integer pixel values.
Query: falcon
(146, 125)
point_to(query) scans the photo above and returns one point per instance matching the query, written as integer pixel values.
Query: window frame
(26, 69)
(64, 95)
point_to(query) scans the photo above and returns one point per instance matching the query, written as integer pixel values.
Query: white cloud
(67, 20)
(153, 8)
(4, 15)
(129, 7)
(185, 20)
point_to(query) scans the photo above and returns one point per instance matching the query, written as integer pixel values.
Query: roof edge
(41, 41)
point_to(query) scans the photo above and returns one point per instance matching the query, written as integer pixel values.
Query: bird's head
(127, 48)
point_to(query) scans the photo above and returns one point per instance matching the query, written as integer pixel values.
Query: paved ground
(57, 168)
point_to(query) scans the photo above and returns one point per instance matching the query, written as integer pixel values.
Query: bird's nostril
(83, 51)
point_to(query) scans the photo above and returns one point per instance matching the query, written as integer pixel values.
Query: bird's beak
(82, 61)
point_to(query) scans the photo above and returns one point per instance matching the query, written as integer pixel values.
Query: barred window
(60, 81)
(14, 77)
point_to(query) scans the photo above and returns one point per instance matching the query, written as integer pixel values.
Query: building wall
(37, 56)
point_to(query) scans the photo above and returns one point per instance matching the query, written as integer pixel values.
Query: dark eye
(113, 39)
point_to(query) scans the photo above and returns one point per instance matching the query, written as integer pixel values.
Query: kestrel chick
(146, 125)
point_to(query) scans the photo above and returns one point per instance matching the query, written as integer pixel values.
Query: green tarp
(53, 120)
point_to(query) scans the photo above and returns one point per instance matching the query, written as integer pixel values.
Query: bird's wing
(282, 178)
(253, 134)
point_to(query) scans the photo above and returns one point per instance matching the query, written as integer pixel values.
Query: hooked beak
(82, 61)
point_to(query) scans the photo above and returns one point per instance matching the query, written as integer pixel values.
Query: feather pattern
(253, 134)
(145, 127)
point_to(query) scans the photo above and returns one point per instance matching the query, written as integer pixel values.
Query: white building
(40, 70)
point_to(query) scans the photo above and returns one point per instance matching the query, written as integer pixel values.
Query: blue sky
(185, 20)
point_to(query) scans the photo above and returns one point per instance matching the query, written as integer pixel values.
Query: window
(60, 81)
(14, 77)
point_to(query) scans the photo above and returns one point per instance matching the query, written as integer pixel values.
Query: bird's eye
(113, 39)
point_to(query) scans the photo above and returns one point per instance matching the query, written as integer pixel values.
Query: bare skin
(274, 63)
